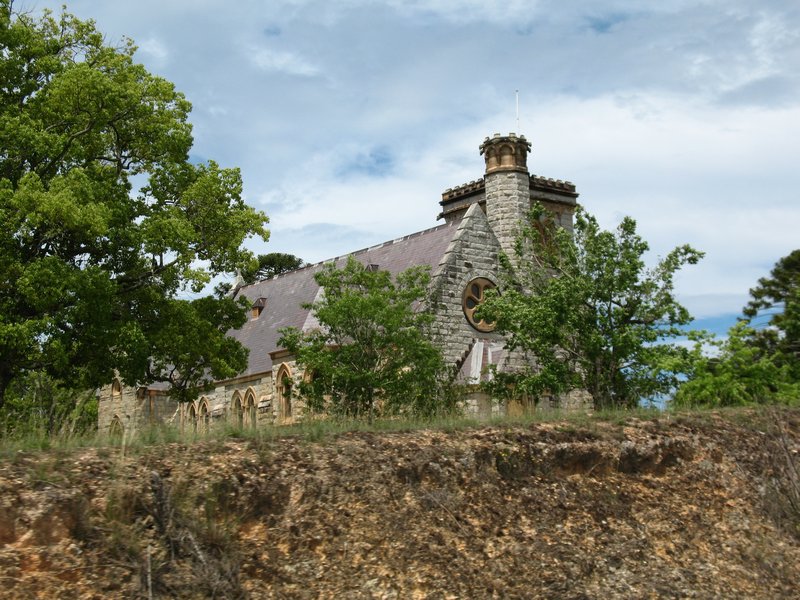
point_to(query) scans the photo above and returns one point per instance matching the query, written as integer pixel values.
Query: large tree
(372, 353)
(774, 308)
(590, 311)
(91, 267)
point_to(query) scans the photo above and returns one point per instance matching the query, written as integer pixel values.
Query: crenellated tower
(507, 182)
(507, 191)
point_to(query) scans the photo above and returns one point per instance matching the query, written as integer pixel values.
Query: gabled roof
(284, 294)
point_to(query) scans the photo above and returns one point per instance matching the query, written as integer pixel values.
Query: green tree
(735, 371)
(590, 311)
(778, 298)
(754, 364)
(91, 268)
(270, 265)
(372, 353)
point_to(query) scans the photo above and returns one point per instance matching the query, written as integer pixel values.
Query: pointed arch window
(237, 412)
(191, 418)
(284, 390)
(250, 409)
(203, 415)
(116, 430)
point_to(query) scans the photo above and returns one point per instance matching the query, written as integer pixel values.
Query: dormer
(258, 308)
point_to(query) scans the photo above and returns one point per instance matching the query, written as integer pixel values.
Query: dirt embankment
(671, 508)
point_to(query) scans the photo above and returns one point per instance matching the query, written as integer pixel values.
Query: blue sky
(349, 118)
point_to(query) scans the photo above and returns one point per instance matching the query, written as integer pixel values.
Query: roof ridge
(354, 253)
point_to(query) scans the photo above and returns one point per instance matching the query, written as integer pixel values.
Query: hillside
(680, 507)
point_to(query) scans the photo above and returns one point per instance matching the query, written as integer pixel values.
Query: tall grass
(322, 430)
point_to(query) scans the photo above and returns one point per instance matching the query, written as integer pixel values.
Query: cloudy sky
(348, 118)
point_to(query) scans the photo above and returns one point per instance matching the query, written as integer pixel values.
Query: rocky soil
(681, 507)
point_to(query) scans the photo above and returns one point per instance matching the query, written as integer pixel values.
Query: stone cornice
(463, 191)
(538, 183)
(557, 186)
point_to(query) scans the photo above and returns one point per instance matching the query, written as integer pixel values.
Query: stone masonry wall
(263, 390)
(472, 253)
(134, 407)
(149, 407)
(508, 199)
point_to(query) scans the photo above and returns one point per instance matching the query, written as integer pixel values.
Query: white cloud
(218, 111)
(281, 62)
(154, 49)
(466, 11)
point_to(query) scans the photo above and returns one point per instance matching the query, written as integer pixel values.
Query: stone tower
(508, 186)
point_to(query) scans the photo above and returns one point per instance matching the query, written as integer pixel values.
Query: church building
(481, 219)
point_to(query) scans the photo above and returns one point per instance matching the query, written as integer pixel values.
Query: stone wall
(138, 408)
(257, 396)
(508, 200)
(472, 253)
(134, 408)
(562, 207)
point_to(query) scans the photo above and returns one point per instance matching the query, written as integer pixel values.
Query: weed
(202, 555)
(782, 497)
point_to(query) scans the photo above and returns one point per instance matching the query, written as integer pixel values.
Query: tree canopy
(104, 220)
(371, 353)
(759, 360)
(269, 265)
(777, 298)
(589, 309)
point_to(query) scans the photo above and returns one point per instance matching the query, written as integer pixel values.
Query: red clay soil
(693, 507)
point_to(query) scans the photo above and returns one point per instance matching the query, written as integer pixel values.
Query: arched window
(203, 418)
(191, 418)
(283, 388)
(237, 414)
(116, 389)
(116, 430)
(146, 404)
(250, 408)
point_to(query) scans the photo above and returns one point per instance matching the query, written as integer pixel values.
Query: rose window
(474, 295)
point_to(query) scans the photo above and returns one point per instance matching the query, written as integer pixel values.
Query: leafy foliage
(753, 365)
(269, 265)
(37, 405)
(588, 309)
(90, 268)
(371, 354)
(778, 297)
(735, 372)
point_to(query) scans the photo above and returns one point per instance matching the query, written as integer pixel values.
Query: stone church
(481, 219)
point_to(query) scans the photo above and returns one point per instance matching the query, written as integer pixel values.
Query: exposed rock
(645, 509)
